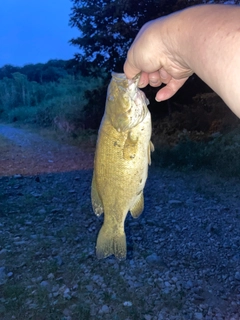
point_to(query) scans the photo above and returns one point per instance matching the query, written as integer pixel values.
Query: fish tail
(111, 242)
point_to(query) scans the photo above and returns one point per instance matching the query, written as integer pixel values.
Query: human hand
(155, 53)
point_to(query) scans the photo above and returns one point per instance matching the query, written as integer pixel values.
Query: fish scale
(121, 163)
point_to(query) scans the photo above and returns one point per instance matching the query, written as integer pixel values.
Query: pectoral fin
(150, 149)
(96, 201)
(138, 207)
(130, 146)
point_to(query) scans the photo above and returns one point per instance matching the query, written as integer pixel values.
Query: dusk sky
(35, 31)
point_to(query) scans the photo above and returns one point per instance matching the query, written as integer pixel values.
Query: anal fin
(96, 201)
(138, 207)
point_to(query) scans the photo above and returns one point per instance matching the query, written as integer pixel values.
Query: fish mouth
(120, 77)
(135, 100)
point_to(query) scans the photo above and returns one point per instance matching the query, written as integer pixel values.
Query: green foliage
(22, 114)
(47, 103)
(108, 27)
(51, 71)
(220, 154)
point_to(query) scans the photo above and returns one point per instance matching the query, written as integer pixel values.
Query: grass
(220, 155)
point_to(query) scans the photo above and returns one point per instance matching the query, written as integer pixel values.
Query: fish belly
(120, 173)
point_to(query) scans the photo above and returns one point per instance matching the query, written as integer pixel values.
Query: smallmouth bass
(121, 162)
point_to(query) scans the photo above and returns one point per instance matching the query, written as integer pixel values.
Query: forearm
(207, 38)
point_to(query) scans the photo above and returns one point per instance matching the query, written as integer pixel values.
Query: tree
(8, 70)
(108, 27)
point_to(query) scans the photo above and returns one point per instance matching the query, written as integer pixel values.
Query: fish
(122, 156)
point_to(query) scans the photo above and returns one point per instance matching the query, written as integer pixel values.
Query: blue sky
(33, 31)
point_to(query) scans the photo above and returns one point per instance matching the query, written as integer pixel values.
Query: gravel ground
(183, 252)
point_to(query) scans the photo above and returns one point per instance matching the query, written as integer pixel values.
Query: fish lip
(117, 76)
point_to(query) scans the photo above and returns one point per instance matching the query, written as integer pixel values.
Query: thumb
(170, 89)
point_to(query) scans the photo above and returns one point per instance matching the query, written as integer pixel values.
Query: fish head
(126, 104)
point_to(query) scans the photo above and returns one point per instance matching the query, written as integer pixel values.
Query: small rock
(66, 312)
(161, 316)
(45, 284)
(89, 287)
(3, 253)
(55, 288)
(75, 287)
(104, 309)
(67, 294)
(174, 202)
(155, 259)
(38, 279)
(147, 317)
(198, 297)
(58, 260)
(36, 194)
(198, 315)
(55, 210)
(17, 176)
(127, 303)
(42, 211)
(167, 284)
(51, 276)
(237, 275)
(189, 285)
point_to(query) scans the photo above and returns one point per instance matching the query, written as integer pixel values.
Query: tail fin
(111, 242)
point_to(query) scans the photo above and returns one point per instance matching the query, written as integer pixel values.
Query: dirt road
(23, 152)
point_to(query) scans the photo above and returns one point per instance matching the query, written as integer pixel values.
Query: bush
(22, 114)
(46, 102)
(220, 154)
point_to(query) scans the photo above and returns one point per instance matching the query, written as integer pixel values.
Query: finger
(154, 79)
(130, 70)
(165, 76)
(170, 89)
(143, 81)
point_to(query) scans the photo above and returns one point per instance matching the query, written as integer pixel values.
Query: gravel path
(29, 153)
(183, 252)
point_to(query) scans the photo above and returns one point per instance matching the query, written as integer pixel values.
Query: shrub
(220, 154)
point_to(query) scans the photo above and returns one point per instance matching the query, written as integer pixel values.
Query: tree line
(38, 93)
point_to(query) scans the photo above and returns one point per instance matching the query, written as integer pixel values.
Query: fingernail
(153, 81)
(157, 99)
